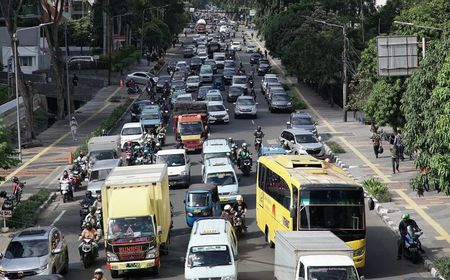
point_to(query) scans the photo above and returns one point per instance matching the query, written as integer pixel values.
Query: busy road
(256, 257)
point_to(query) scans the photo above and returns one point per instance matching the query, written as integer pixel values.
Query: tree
(11, 12)
(53, 12)
(8, 155)
(153, 37)
(81, 31)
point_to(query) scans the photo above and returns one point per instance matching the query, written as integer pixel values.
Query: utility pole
(67, 72)
(344, 73)
(110, 23)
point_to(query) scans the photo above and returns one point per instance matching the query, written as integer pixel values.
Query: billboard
(396, 55)
(252, 13)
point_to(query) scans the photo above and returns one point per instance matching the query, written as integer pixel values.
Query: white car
(236, 46)
(202, 54)
(251, 48)
(245, 106)
(214, 95)
(131, 132)
(142, 77)
(217, 112)
(192, 83)
(206, 73)
(186, 97)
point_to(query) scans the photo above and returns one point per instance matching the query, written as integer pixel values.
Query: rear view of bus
(299, 192)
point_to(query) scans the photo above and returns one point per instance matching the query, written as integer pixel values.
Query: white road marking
(59, 217)
(253, 122)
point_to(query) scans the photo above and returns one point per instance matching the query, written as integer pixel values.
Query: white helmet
(227, 207)
(239, 198)
(98, 271)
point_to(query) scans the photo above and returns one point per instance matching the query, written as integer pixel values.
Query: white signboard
(252, 13)
(6, 213)
(396, 55)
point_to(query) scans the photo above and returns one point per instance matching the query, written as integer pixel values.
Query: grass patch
(297, 102)
(335, 147)
(443, 266)
(25, 214)
(107, 124)
(377, 189)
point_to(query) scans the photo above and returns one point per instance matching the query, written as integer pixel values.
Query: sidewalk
(431, 211)
(42, 165)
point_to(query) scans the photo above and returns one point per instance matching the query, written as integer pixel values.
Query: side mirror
(159, 230)
(184, 201)
(236, 258)
(371, 203)
(292, 141)
(319, 138)
(239, 179)
(56, 251)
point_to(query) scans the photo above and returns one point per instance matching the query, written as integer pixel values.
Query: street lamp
(344, 62)
(16, 70)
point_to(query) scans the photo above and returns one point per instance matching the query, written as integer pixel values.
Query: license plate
(133, 265)
(197, 211)
(224, 199)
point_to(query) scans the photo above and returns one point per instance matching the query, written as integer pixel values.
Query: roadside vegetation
(335, 147)
(443, 266)
(25, 214)
(377, 189)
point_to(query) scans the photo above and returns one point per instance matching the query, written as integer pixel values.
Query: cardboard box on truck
(309, 255)
(136, 217)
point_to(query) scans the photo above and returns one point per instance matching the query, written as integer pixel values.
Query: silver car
(245, 106)
(142, 77)
(302, 141)
(35, 251)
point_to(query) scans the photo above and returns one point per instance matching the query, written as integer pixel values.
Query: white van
(220, 172)
(212, 251)
(219, 58)
(178, 166)
(206, 73)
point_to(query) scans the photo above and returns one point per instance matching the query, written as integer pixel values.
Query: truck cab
(220, 172)
(326, 267)
(191, 131)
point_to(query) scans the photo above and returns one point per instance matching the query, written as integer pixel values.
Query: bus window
(261, 175)
(277, 188)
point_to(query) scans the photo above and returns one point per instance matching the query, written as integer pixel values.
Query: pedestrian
(395, 159)
(398, 141)
(75, 80)
(425, 170)
(265, 53)
(185, 33)
(376, 140)
(148, 57)
(73, 128)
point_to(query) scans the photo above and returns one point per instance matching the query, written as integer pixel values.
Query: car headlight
(183, 172)
(151, 254)
(42, 268)
(189, 214)
(207, 212)
(228, 278)
(289, 104)
(233, 193)
(358, 252)
(3, 272)
(111, 257)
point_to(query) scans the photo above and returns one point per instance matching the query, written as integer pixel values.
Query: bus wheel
(267, 237)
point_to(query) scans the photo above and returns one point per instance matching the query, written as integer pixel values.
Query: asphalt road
(256, 258)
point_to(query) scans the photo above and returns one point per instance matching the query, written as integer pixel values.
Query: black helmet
(259, 128)
(91, 209)
(88, 193)
(15, 179)
(88, 225)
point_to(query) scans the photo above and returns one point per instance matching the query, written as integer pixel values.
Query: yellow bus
(299, 192)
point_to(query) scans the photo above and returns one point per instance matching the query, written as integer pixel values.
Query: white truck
(310, 255)
(102, 148)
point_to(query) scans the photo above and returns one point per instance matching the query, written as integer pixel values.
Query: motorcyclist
(180, 144)
(104, 133)
(240, 207)
(258, 133)
(161, 129)
(98, 203)
(88, 199)
(234, 147)
(92, 218)
(88, 233)
(403, 229)
(66, 178)
(166, 88)
(226, 213)
(99, 275)
(15, 185)
(128, 146)
(244, 153)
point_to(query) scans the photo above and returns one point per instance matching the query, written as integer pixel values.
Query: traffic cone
(121, 83)
(70, 158)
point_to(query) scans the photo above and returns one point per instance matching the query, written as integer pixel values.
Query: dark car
(228, 74)
(196, 63)
(218, 82)
(188, 52)
(201, 95)
(254, 58)
(233, 93)
(229, 64)
(264, 67)
(161, 81)
(136, 109)
(280, 102)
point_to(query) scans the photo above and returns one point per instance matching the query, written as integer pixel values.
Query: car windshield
(214, 98)
(301, 121)
(272, 80)
(280, 97)
(204, 89)
(246, 101)
(240, 81)
(214, 155)
(221, 178)
(205, 70)
(236, 43)
(153, 116)
(193, 80)
(305, 138)
(27, 249)
(229, 64)
(190, 128)
(197, 199)
(235, 89)
(263, 64)
(332, 273)
(184, 99)
(216, 108)
(99, 175)
(196, 61)
(172, 160)
(163, 79)
(130, 227)
(131, 131)
(102, 155)
(137, 107)
(209, 256)
(178, 87)
(220, 58)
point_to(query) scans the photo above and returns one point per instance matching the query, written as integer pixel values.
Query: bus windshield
(332, 209)
(190, 128)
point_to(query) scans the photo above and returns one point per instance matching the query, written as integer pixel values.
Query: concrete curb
(46, 203)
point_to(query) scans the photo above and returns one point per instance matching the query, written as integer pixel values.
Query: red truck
(190, 124)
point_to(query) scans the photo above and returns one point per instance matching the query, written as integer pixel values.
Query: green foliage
(8, 155)
(25, 214)
(107, 125)
(377, 189)
(335, 147)
(120, 59)
(4, 98)
(40, 121)
(297, 102)
(384, 102)
(443, 266)
(157, 34)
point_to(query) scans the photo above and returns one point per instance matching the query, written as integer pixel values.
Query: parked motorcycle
(412, 245)
(88, 252)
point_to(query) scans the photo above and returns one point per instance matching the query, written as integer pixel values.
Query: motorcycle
(139, 159)
(412, 245)
(84, 210)
(134, 90)
(246, 166)
(234, 156)
(64, 188)
(88, 255)
(161, 138)
(258, 143)
(129, 157)
(238, 222)
(76, 179)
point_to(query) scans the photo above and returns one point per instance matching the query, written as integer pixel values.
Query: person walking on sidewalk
(376, 140)
(73, 128)
(75, 80)
(398, 141)
(395, 159)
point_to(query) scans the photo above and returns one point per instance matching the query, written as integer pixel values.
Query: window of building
(26, 60)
